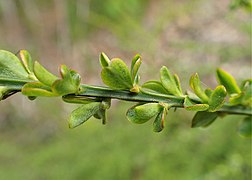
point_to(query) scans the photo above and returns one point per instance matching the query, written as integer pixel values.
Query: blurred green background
(186, 36)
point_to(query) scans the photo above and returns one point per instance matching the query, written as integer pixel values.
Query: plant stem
(174, 101)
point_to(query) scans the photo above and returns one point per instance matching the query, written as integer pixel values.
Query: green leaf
(158, 124)
(26, 60)
(245, 127)
(168, 82)
(191, 106)
(217, 98)
(11, 68)
(117, 75)
(43, 75)
(141, 113)
(228, 81)
(203, 119)
(196, 86)
(104, 60)
(208, 92)
(37, 89)
(83, 113)
(177, 81)
(155, 86)
(69, 83)
(135, 65)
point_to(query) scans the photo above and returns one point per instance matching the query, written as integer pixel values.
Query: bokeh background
(186, 36)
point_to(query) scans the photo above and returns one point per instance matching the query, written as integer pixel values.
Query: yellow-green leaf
(228, 81)
(191, 106)
(217, 98)
(196, 86)
(141, 113)
(43, 75)
(37, 89)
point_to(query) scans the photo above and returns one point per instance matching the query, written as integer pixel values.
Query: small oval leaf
(11, 68)
(228, 81)
(69, 84)
(196, 86)
(117, 75)
(168, 81)
(141, 113)
(191, 106)
(26, 60)
(217, 98)
(43, 75)
(203, 119)
(37, 89)
(82, 114)
(155, 86)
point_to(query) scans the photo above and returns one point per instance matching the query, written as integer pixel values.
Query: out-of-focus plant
(154, 98)
(246, 4)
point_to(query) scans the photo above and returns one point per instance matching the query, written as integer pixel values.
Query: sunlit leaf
(26, 60)
(43, 75)
(196, 86)
(104, 60)
(37, 89)
(191, 106)
(228, 81)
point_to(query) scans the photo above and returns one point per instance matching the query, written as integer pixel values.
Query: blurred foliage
(186, 36)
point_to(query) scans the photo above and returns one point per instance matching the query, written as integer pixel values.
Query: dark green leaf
(83, 113)
(245, 127)
(141, 113)
(158, 124)
(117, 75)
(217, 98)
(203, 119)
(228, 81)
